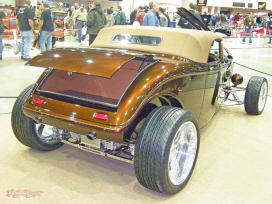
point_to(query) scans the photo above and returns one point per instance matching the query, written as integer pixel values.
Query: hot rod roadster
(138, 94)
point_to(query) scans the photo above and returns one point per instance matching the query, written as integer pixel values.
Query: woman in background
(110, 18)
(163, 19)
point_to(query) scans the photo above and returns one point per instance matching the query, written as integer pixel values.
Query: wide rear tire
(27, 131)
(256, 95)
(166, 149)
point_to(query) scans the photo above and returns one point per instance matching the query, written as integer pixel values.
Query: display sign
(238, 4)
(262, 5)
(202, 2)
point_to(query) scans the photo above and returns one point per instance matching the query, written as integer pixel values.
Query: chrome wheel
(256, 95)
(182, 153)
(263, 96)
(47, 133)
(166, 149)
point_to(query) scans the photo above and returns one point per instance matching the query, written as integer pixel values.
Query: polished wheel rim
(263, 96)
(47, 133)
(182, 153)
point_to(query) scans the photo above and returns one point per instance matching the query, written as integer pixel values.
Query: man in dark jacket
(120, 18)
(26, 26)
(185, 24)
(47, 28)
(133, 16)
(96, 20)
(2, 28)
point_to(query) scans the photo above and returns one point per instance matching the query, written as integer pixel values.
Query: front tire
(256, 95)
(166, 149)
(27, 131)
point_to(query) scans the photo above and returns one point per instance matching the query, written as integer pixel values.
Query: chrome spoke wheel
(166, 149)
(182, 153)
(263, 96)
(47, 133)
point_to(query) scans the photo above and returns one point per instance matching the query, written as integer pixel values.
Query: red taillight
(37, 101)
(101, 116)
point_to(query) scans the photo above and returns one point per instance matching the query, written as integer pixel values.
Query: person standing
(163, 19)
(140, 15)
(133, 16)
(2, 28)
(269, 27)
(47, 28)
(166, 15)
(110, 18)
(76, 6)
(259, 21)
(185, 24)
(223, 19)
(96, 20)
(213, 20)
(151, 18)
(236, 18)
(80, 18)
(248, 23)
(120, 17)
(25, 26)
(217, 20)
(70, 11)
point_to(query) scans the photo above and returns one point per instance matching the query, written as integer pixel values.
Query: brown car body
(171, 80)
(138, 94)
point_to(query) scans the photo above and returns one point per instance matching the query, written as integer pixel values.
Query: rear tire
(27, 131)
(256, 95)
(166, 149)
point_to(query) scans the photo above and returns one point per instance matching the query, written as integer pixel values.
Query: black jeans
(91, 38)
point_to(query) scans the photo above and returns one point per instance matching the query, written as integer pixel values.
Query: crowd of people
(89, 20)
(151, 15)
(2, 28)
(250, 22)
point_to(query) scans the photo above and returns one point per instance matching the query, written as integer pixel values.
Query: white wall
(8, 2)
(228, 3)
(127, 7)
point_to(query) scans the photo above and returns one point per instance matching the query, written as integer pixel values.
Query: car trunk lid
(104, 89)
(102, 63)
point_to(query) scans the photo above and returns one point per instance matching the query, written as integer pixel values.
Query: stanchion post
(258, 40)
(239, 37)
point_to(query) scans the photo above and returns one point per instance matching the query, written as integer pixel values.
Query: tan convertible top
(188, 43)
